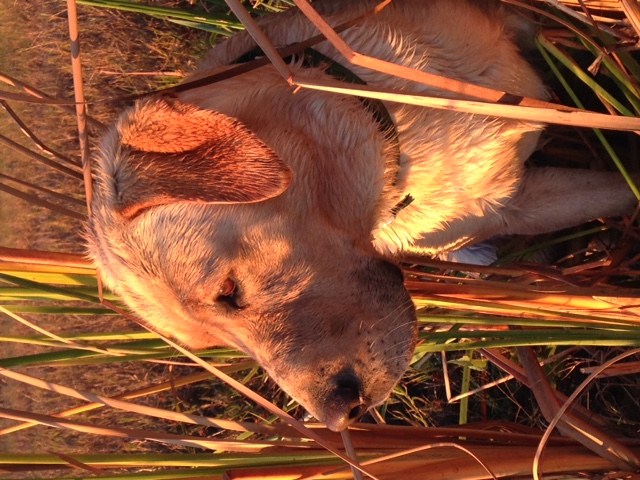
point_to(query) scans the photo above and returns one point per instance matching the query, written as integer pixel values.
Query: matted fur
(248, 214)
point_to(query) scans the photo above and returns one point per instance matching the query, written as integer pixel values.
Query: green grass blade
(53, 310)
(423, 317)
(506, 259)
(143, 336)
(55, 278)
(545, 47)
(463, 417)
(226, 24)
(582, 76)
(627, 87)
(80, 293)
(127, 352)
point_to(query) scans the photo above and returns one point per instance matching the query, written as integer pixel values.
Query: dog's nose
(345, 404)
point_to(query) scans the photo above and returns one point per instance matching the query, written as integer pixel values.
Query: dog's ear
(174, 153)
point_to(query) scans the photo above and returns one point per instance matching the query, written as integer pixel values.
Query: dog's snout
(345, 404)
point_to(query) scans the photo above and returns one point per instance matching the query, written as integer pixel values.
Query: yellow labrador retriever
(248, 214)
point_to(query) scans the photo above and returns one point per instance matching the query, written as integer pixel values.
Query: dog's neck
(312, 58)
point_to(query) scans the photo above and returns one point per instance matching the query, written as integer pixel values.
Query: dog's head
(193, 226)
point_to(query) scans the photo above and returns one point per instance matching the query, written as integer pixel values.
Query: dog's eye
(229, 294)
(228, 288)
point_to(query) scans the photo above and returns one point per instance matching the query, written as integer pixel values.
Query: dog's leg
(554, 198)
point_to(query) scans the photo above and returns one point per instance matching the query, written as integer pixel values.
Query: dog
(248, 214)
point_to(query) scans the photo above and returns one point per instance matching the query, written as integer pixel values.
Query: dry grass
(591, 291)
(37, 52)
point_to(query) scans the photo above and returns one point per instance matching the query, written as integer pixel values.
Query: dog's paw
(478, 254)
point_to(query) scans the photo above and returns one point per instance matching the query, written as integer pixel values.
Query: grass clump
(501, 349)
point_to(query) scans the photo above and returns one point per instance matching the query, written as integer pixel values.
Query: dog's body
(247, 214)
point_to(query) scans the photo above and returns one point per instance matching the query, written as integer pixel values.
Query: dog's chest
(459, 170)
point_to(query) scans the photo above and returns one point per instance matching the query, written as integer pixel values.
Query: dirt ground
(121, 54)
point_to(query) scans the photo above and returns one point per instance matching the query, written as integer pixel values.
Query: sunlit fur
(289, 194)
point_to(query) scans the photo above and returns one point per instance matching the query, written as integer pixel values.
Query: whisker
(404, 308)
